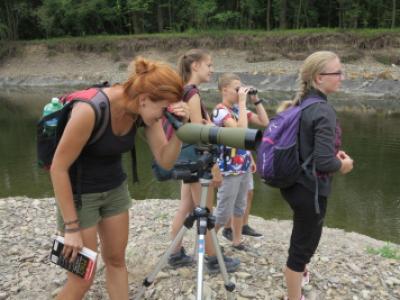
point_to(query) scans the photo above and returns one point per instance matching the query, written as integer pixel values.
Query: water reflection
(366, 201)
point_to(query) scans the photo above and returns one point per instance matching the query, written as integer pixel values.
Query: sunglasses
(338, 73)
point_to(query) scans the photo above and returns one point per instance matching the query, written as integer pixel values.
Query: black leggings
(307, 225)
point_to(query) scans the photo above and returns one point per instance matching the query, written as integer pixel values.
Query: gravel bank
(341, 269)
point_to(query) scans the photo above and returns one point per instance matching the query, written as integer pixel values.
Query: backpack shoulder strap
(310, 101)
(96, 98)
(188, 92)
(101, 106)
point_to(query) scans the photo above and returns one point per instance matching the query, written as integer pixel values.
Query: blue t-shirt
(231, 161)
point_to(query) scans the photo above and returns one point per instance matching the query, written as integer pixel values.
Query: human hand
(253, 167)
(242, 94)
(346, 160)
(180, 109)
(216, 176)
(73, 243)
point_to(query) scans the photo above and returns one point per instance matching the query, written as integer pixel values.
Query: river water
(365, 201)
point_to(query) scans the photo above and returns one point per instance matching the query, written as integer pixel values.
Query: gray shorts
(251, 182)
(232, 197)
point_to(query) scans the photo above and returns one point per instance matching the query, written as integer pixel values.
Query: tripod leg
(229, 286)
(202, 229)
(161, 263)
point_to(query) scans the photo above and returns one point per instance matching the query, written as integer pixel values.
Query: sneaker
(231, 264)
(227, 233)
(247, 230)
(240, 247)
(180, 259)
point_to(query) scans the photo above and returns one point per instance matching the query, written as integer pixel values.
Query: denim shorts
(96, 206)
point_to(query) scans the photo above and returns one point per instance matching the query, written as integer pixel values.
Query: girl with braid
(319, 134)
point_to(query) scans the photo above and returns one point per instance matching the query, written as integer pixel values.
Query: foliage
(32, 19)
(387, 251)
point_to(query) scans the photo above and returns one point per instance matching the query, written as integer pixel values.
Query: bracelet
(71, 222)
(70, 230)
(259, 101)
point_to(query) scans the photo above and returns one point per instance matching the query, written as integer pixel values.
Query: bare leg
(113, 233)
(76, 287)
(237, 223)
(293, 282)
(250, 195)
(185, 207)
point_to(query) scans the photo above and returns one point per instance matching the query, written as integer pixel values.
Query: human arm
(194, 104)
(76, 134)
(253, 166)
(166, 151)
(324, 139)
(259, 118)
(242, 121)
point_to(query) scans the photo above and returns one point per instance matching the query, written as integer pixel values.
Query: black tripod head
(192, 171)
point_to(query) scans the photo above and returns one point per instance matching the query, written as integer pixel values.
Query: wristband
(70, 230)
(259, 101)
(71, 222)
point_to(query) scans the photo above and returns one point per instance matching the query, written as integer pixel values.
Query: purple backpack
(278, 154)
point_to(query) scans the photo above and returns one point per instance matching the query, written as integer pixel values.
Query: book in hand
(83, 265)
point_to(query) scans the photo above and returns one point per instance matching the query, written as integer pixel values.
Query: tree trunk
(282, 19)
(268, 15)
(11, 21)
(171, 22)
(136, 23)
(393, 14)
(298, 15)
(160, 21)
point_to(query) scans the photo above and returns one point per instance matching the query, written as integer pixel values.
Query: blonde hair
(312, 66)
(225, 79)
(186, 60)
(284, 105)
(159, 80)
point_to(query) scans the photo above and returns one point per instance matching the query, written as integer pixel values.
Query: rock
(3, 295)
(339, 270)
(243, 275)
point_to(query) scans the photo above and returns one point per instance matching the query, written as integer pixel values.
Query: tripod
(205, 221)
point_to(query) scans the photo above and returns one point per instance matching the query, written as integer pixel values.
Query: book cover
(83, 265)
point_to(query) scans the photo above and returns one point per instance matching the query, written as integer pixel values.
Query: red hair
(159, 80)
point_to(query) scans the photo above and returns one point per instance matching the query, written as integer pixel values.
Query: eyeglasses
(338, 73)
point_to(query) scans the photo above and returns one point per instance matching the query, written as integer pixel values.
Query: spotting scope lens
(242, 138)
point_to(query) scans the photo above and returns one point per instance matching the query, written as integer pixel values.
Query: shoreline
(369, 87)
(341, 269)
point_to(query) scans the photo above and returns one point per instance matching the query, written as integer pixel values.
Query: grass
(292, 41)
(215, 33)
(387, 251)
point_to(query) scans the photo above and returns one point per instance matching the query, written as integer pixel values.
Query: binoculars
(252, 91)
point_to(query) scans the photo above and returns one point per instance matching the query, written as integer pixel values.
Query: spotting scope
(241, 138)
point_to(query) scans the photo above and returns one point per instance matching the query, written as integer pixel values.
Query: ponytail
(186, 60)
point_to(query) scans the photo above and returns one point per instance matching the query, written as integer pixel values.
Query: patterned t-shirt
(231, 161)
